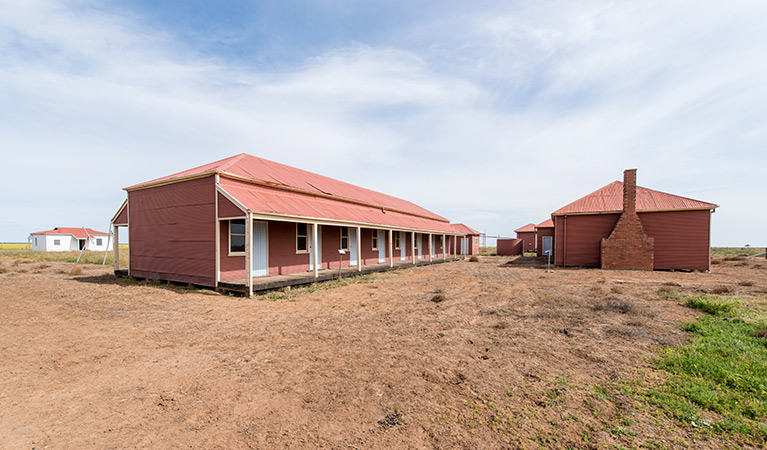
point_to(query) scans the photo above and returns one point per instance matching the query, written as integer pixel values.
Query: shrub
(711, 306)
(474, 259)
(721, 289)
(76, 271)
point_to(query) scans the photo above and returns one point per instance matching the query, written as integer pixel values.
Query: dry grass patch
(76, 271)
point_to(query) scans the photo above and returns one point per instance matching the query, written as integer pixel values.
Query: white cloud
(496, 116)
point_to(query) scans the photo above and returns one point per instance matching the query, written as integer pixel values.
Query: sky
(489, 113)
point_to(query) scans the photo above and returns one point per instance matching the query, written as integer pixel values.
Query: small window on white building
(57, 242)
(237, 236)
(35, 242)
(98, 241)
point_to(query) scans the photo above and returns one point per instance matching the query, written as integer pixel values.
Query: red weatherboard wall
(227, 208)
(283, 258)
(509, 247)
(231, 267)
(122, 219)
(583, 242)
(172, 232)
(540, 234)
(682, 238)
(529, 238)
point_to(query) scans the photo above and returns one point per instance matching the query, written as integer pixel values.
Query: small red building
(245, 217)
(509, 247)
(527, 234)
(468, 243)
(544, 233)
(669, 231)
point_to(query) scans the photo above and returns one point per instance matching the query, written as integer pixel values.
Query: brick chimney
(628, 247)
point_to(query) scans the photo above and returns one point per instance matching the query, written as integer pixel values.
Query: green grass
(736, 251)
(721, 374)
(88, 257)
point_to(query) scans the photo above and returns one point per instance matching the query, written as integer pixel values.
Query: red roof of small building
(78, 233)
(529, 228)
(610, 199)
(461, 228)
(548, 223)
(280, 175)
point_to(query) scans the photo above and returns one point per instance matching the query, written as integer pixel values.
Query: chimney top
(629, 190)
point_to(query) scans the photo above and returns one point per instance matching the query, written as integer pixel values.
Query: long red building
(245, 217)
(675, 231)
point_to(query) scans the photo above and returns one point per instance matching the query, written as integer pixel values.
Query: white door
(402, 245)
(431, 245)
(260, 257)
(352, 246)
(311, 246)
(381, 246)
(420, 245)
(547, 245)
(464, 246)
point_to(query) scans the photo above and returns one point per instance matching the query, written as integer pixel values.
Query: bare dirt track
(511, 357)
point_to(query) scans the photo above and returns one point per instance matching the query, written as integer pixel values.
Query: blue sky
(489, 113)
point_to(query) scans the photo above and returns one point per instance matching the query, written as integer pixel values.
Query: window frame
(305, 236)
(99, 241)
(244, 236)
(416, 240)
(397, 238)
(342, 237)
(57, 242)
(374, 240)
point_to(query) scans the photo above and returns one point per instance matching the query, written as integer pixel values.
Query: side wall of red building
(581, 244)
(172, 232)
(682, 238)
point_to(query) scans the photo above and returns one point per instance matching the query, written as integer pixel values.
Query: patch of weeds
(601, 393)
(473, 259)
(390, 420)
(716, 261)
(616, 290)
(723, 371)
(76, 271)
(735, 258)
(667, 292)
(746, 283)
(672, 283)
(711, 305)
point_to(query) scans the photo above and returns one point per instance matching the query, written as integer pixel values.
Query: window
(57, 242)
(98, 241)
(35, 241)
(375, 239)
(396, 240)
(302, 238)
(236, 236)
(344, 238)
(416, 241)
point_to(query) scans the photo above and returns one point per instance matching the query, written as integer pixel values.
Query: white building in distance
(64, 239)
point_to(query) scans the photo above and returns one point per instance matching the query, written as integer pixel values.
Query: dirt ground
(457, 355)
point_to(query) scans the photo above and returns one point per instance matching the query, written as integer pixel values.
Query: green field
(19, 250)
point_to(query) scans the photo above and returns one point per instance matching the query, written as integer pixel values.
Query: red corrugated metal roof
(267, 199)
(530, 227)
(461, 228)
(610, 199)
(79, 233)
(548, 223)
(259, 169)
